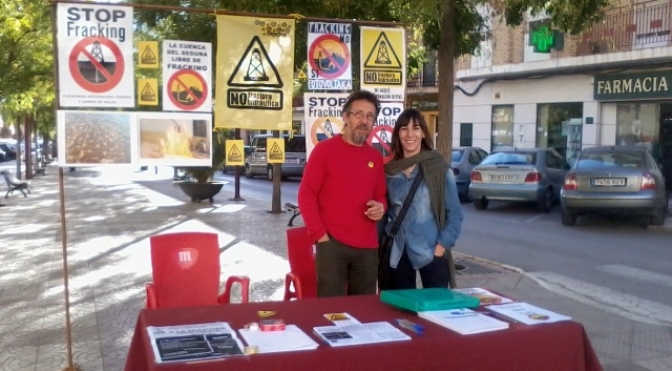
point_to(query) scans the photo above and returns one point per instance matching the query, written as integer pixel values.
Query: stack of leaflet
(486, 297)
(527, 314)
(290, 339)
(360, 333)
(420, 300)
(464, 321)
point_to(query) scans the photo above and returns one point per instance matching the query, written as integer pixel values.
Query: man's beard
(357, 136)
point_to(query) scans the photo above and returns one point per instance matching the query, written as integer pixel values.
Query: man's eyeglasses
(361, 115)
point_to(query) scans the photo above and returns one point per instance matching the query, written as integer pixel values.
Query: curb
(457, 254)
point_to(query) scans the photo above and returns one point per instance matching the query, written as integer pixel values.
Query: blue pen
(418, 329)
(463, 313)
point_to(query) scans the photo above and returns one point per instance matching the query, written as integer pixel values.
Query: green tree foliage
(452, 27)
(202, 27)
(26, 61)
(456, 27)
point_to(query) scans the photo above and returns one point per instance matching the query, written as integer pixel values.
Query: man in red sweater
(341, 197)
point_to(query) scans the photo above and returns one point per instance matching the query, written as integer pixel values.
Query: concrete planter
(200, 191)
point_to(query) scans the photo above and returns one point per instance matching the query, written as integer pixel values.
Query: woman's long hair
(407, 117)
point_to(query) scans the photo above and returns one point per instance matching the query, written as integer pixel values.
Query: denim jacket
(419, 232)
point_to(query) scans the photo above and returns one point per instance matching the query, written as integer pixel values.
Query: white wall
(525, 123)
(525, 94)
(591, 132)
(570, 88)
(480, 117)
(608, 126)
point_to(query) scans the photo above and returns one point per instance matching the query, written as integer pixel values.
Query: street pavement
(110, 214)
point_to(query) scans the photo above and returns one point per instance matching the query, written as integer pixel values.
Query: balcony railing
(419, 83)
(629, 28)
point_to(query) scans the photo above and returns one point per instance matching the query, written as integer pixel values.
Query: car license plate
(292, 160)
(608, 182)
(502, 178)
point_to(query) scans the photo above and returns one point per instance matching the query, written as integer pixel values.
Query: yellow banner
(255, 70)
(275, 150)
(383, 62)
(147, 89)
(235, 152)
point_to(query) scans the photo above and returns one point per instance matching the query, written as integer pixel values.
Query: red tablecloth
(561, 346)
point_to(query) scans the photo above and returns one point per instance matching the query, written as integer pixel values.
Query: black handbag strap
(406, 205)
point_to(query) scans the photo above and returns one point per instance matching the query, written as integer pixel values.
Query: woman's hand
(439, 250)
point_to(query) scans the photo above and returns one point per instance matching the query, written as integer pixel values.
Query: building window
(502, 127)
(429, 77)
(559, 127)
(638, 124)
(297, 127)
(652, 25)
(466, 134)
(482, 56)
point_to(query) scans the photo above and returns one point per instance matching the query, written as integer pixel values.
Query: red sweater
(338, 181)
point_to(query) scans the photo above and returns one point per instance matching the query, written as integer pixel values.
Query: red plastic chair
(185, 272)
(303, 276)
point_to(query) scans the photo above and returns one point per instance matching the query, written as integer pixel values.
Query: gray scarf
(434, 168)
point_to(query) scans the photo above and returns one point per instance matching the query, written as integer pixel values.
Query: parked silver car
(463, 161)
(295, 157)
(615, 180)
(526, 175)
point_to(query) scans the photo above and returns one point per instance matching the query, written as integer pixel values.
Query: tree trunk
(19, 145)
(28, 136)
(46, 140)
(446, 55)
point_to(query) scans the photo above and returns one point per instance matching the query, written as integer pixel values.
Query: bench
(41, 165)
(14, 184)
(294, 208)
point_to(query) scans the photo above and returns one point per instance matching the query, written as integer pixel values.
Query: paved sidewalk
(110, 216)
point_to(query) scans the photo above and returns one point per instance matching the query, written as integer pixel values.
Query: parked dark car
(615, 180)
(463, 161)
(7, 153)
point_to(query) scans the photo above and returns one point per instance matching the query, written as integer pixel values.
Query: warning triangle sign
(148, 56)
(302, 75)
(255, 68)
(276, 152)
(382, 55)
(148, 94)
(234, 154)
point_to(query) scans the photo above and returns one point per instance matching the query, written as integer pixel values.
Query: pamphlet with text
(193, 342)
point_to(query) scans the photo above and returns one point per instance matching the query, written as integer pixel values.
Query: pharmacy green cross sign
(543, 39)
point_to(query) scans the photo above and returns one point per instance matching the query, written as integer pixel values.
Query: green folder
(420, 300)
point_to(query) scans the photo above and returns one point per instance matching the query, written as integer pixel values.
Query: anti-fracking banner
(329, 56)
(95, 55)
(323, 117)
(383, 62)
(255, 70)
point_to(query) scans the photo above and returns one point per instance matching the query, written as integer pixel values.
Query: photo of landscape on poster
(174, 139)
(95, 138)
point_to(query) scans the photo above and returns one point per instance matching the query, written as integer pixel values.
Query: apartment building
(532, 86)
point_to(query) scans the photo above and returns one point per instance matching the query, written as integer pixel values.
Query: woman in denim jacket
(434, 219)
